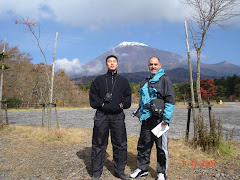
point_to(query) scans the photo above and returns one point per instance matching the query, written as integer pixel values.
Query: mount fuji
(133, 57)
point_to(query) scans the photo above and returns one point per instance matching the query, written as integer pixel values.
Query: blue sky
(88, 28)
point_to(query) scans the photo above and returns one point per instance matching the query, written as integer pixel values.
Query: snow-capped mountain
(130, 44)
(133, 57)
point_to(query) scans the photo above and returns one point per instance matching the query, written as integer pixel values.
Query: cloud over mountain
(70, 67)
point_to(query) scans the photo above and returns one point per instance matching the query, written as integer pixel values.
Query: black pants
(102, 124)
(145, 144)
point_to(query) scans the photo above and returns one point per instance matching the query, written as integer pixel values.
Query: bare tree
(33, 27)
(31, 24)
(207, 13)
(51, 87)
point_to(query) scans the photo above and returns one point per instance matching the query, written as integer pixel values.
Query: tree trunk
(200, 114)
(52, 80)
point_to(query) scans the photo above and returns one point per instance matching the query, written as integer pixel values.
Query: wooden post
(56, 114)
(49, 118)
(212, 126)
(1, 114)
(6, 112)
(43, 113)
(1, 84)
(188, 121)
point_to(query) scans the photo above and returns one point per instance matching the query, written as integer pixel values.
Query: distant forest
(225, 89)
(26, 85)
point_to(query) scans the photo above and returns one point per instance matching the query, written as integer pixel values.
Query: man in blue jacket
(155, 87)
(110, 93)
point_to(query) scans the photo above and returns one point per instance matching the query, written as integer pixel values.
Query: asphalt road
(229, 116)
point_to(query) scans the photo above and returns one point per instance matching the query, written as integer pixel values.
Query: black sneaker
(95, 178)
(122, 176)
(138, 173)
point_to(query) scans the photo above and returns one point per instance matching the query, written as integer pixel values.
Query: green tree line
(225, 89)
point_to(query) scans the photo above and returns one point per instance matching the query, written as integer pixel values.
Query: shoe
(160, 176)
(95, 178)
(138, 173)
(122, 176)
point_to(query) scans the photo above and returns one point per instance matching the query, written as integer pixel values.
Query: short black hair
(110, 57)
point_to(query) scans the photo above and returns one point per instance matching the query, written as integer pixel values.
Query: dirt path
(24, 158)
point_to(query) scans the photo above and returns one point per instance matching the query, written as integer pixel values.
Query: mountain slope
(222, 69)
(178, 75)
(133, 57)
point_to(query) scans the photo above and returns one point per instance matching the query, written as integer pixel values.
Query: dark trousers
(103, 123)
(145, 144)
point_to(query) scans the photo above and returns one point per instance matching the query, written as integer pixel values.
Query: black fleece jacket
(121, 93)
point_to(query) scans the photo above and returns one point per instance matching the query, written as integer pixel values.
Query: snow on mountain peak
(131, 44)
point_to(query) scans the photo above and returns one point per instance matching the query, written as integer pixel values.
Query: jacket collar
(111, 73)
(157, 76)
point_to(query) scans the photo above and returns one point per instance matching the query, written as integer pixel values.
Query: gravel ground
(22, 158)
(229, 115)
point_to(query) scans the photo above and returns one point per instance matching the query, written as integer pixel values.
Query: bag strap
(112, 84)
(149, 89)
(149, 86)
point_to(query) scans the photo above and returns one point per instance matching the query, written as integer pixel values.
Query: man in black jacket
(109, 94)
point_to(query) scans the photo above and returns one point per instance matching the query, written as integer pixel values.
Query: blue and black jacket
(160, 87)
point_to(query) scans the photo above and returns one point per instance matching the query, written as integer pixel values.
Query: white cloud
(94, 69)
(25, 8)
(113, 51)
(94, 14)
(74, 67)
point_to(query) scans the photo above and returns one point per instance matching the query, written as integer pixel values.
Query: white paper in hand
(160, 129)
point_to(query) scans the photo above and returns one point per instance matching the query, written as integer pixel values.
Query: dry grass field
(28, 152)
